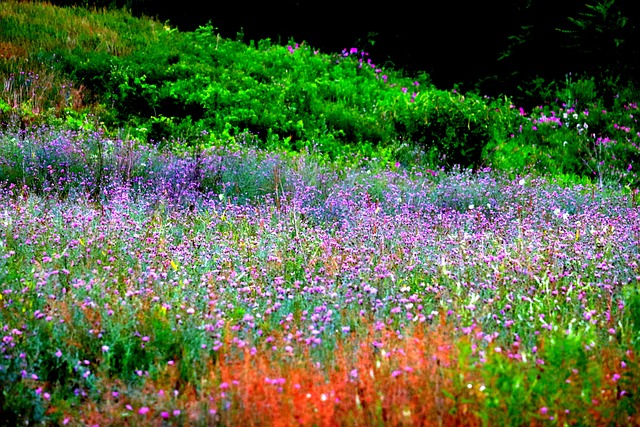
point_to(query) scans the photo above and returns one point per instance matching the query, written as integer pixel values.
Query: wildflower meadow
(440, 259)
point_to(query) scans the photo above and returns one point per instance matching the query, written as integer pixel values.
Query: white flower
(564, 143)
(586, 126)
(521, 182)
(471, 206)
(556, 211)
(575, 116)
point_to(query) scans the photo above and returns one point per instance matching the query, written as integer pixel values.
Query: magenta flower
(544, 410)
(143, 411)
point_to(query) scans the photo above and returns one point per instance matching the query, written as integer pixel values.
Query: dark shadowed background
(455, 42)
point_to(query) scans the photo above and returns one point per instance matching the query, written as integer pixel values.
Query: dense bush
(583, 128)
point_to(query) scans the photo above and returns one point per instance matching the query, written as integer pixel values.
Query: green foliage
(186, 91)
(200, 90)
(581, 129)
(453, 128)
(632, 313)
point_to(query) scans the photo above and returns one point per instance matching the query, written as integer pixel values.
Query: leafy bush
(588, 129)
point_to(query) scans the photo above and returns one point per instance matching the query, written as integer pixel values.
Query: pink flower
(143, 411)
(544, 410)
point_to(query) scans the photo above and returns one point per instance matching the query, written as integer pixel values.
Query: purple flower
(544, 410)
(143, 411)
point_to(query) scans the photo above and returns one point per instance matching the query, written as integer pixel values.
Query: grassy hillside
(194, 90)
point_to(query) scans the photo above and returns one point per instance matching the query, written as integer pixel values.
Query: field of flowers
(199, 231)
(242, 287)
